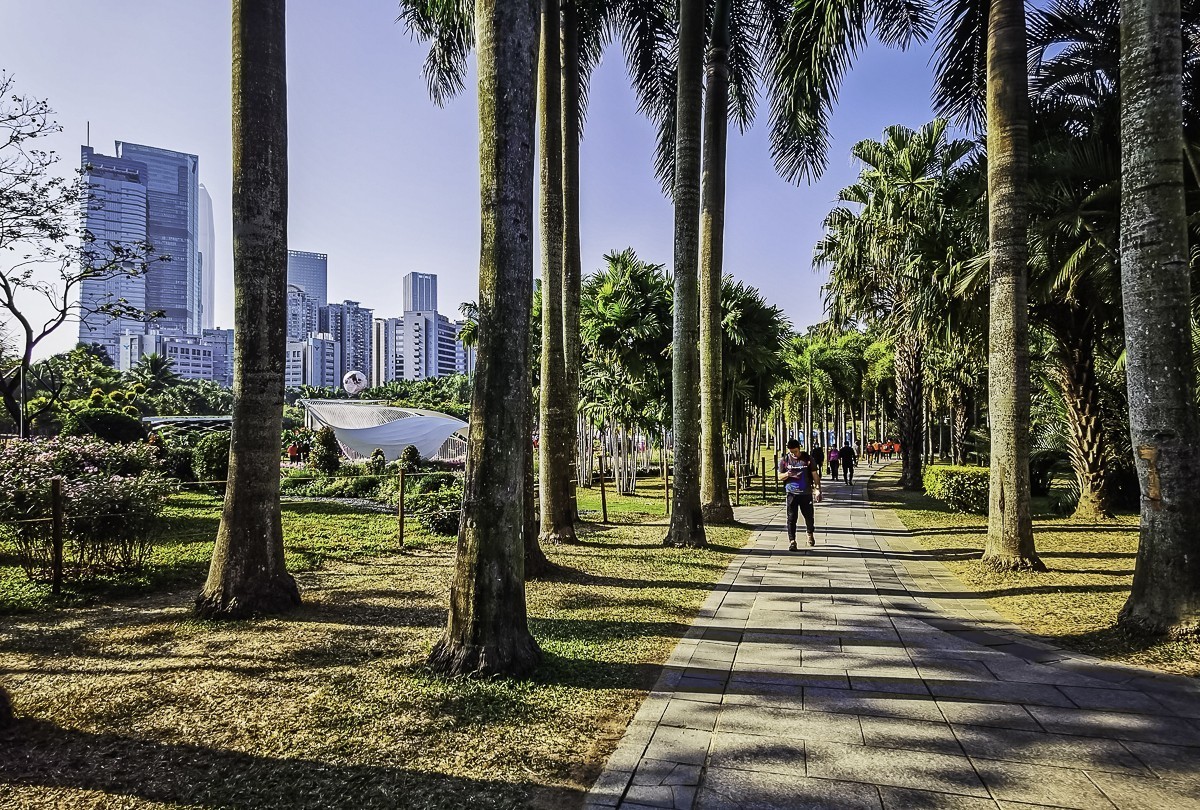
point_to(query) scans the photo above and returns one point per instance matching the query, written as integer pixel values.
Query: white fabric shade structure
(361, 426)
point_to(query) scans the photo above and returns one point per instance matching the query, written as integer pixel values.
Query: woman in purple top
(802, 482)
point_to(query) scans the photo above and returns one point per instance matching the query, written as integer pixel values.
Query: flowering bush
(112, 502)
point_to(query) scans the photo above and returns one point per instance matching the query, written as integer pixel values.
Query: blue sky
(385, 182)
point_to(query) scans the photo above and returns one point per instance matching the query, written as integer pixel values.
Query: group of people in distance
(800, 473)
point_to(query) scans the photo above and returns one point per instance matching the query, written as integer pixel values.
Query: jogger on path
(802, 480)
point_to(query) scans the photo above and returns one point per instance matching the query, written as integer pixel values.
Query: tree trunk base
(7, 718)
(516, 656)
(717, 513)
(1143, 623)
(278, 594)
(686, 531)
(563, 536)
(1089, 510)
(1013, 563)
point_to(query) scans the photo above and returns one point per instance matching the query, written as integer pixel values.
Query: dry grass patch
(1074, 604)
(129, 702)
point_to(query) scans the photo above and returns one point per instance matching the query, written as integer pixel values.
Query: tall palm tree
(1156, 290)
(248, 574)
(687, 520)
(156, 372)
(487, 631)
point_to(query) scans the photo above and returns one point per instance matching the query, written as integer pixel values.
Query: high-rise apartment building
(310, 272)
(387, 350)
(420, 292)
(464, 356)
(115, 212)
(173, 283)
(352, 327)
(207, 259)
(303, 314)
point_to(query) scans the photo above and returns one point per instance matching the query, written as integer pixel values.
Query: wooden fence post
(763, 461)
(56, 529)
(603, 491)
(400, 509)
(737, 483)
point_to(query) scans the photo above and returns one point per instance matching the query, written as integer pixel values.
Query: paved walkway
(863, 674)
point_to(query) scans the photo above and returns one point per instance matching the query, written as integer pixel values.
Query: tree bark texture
(714, 477)
(556, 443)
(960, 426)
(248, 576)
(487, 631)
(687, 521)
(910, 383)
(537, 566)
(1156, 293)
(7, 716)
(1010, 523)
(571, 256)
(1081, 395)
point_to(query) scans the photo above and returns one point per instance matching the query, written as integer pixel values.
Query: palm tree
(997, 33)
(883, 252)
(557, 414)
(248, 574)
(156, 372)
(687, 520)
(1156, 291)
(487, 631)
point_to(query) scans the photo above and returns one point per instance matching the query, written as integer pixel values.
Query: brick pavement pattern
(862, 674)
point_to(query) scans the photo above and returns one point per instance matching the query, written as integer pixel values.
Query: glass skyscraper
(310, 272)
(174, 287)
(208, 260)
(420, 292)
(115, 212)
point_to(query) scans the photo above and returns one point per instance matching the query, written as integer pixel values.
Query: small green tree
(378, 463)
(326, 454)
(410, 458)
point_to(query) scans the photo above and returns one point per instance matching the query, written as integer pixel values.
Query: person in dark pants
(848, 457)
(802, 482)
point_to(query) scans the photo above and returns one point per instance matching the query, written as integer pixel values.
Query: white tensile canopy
(361, 426)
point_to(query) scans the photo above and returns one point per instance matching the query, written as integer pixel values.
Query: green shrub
(437, 511)
(432, 482)
(410, 458)
(326, 453)
(378, 463)
(177, 463)
(210, 457)
(963, 489)
(103, 423)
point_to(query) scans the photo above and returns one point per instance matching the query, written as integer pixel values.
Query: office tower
(387, 351)
(191, 357)
(222, 342)
(115, 211)
(310, 272)
(419, 345)
(447, 338)
(303, 314)
(420, 292)
(173, 285)
(207, 248)
(464, 356)
(351, 327)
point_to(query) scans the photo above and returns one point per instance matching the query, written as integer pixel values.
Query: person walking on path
(834, 458)
(802, 482)
(818, 455)
(849, 460)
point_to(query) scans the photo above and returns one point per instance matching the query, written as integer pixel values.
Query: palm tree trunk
(1010, 524)
(714, 488)
(1155, 288)
(487, 631)
(556, 440)
(960, 424)
(572, 262)
(1081, 396)
(687, 521)
(536, 564)
(248, 575)
(909, 396)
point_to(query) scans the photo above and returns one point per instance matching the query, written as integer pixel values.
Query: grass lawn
(1074, 604)
(130, 702)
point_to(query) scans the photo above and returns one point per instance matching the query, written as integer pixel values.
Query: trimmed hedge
(104, 423)
(210, 457)
(963, 489)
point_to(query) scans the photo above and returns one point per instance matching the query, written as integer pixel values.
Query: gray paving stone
(1141, 793)
(1117, 725)
(748, 752)
(894, 767)
(998, 715)
(845, 701)
(1121, 700)
(691, 714)
(684, 745)
(905, 799)
(788, 723)
(1040, 785)
(1171, 761)
(1038, 747)
(726, 788)
(918, 735)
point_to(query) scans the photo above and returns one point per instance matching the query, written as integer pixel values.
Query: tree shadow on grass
(47, 757)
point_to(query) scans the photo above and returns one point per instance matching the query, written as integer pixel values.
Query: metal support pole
(400, 509)
(56, 528)
(764, 477)
(603, 491)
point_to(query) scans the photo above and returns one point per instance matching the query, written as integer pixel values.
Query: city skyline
(402, 193)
